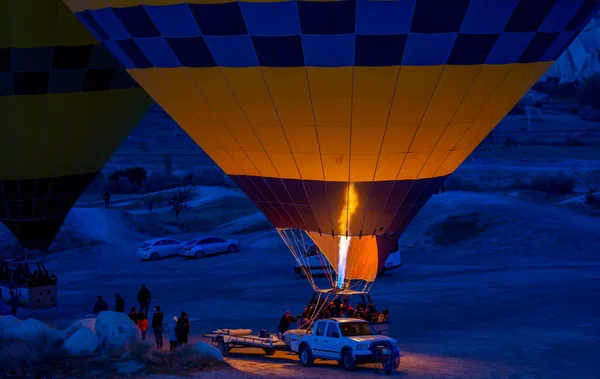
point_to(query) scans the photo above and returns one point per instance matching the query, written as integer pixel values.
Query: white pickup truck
(346, 340)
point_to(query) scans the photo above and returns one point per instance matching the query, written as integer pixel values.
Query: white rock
(7, 322)
(208, 350)
(87, 323)
(28, 331)
(82, 342)
(55, 337)
(117, 330)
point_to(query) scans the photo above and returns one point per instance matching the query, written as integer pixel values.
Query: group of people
(318, 310)
(21, 276)
(178, 329)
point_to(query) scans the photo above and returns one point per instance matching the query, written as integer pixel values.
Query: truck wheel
(306, 357)
(348, 360)
(269, 352)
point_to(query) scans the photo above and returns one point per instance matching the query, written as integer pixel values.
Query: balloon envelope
(66, 104)
(340, 118)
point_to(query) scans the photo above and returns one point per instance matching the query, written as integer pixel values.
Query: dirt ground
(517, 301)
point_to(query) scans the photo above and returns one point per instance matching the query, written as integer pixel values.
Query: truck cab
(350, 341)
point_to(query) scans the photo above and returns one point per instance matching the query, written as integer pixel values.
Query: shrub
(121, 186)
(208, 176)
(590, 92)
(591, 198)
(457, 228)
(554, 184)
(552, 87)
(135, 175)
(590, 114)
(456, 183)
(510, 142)
(160, 182)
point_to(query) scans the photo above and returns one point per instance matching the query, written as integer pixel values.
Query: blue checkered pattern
(341, 33)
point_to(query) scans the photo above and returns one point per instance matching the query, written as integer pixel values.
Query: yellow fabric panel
(310, 166)
(4, 27)
(362, 260)
(451, 136)
(368, 111)
(362, 167)
(41, 23)
(263, 163)
(470, 107)
(408, 109)
(426, 138)
(328, 82)
(490, 77)
(367, 139)
(264, 116)
(433, 164)
(332, 111)
(389, 166)
(441, 109)
(272, 138)
(412, 166)
(285, 165)
(224, 160)
(398, 139)
(453, 160)
(250, 91)
(302, 139)
(418, 80)
(65, 134)
(336, 167)
(457, 79)
(334, 139)
(40, 28)
(294, 111)
(379, 82)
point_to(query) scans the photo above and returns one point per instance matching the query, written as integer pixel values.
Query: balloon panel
(295, 100)
(66, 104)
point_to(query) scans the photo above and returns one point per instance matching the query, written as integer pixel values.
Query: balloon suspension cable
(298, 246)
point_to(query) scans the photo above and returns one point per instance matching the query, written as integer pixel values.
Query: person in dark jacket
(183, 329)
(157, 325)
(285, 322)
(13, 303)
(100, 306)
(133, 315)
(119, 304)
(144, 297)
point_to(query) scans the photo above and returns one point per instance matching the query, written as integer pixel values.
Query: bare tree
(179, 199)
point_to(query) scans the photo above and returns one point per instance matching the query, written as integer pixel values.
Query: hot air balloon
(66, 104)
(339, 119)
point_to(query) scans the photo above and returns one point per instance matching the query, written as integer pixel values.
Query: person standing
(183, 329)
(100, 306)
(119, 304)
(157, 326)
(142, 323)
(144, 297)
(172, 334)
(13, 302)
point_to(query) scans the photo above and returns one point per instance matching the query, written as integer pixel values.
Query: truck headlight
(362, 346)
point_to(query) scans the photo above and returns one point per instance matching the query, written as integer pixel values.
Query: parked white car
(158, 248)
(208, 245)
(314, 262)
(346, 340)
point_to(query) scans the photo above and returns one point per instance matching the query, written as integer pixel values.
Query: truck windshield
(350, 329)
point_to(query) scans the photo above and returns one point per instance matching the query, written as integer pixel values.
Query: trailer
(227, 339)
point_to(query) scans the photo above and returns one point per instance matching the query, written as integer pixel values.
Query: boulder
(117, 330)
(7, 322)
(87, 323)
(28, 331)
(208, 350)
(55, 337)
(82, 342)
